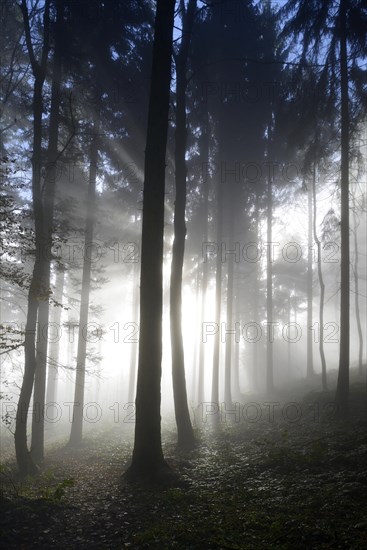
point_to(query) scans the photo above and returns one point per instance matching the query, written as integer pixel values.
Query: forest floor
(295, 481)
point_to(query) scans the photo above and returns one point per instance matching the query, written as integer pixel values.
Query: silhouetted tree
(185, 435)
(25, 462)
(147, 459)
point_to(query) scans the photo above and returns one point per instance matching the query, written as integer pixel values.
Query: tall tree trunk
(37, 439)
(52, 375)
(229, 320)
(71, 325)
(236, 370)
(342, 392)
(356, 295)
(204, 148)
(147, 459)
(310, 369)
(255, 370)
(198, 339)
(269, 289)
(38, 421)
(76, 432)
(322, 286)
(185, 434)
(218, 298)
(236, 358)
(134, 349)
(289, 344)
(25, 462)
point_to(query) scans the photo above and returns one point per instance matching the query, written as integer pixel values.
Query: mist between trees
(184, 221)
(129, 252)
(183, 276)
(124, 413)
(250, 332)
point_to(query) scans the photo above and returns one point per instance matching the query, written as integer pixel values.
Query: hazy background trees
(261, 171)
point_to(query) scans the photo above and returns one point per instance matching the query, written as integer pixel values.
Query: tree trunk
(289, 344)
(310, 369)
(185, 434)
(37, 439)
(134, 349)
(236, 358)
(269, 289)
(218, 298)
(198, 339)
(25, 462)
(356, 295)
(147, 459)
(204, 148)
(76, 432)
(229, 321)
(52, 377)
(38, 421)
(322, 286)
(255, 370)
(342, 392)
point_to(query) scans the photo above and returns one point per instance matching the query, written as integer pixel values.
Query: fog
(183, 244)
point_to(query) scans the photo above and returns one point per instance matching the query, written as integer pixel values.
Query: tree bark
(255, 369)
(342, 392)
(76, 433)
(310, 369)
(185, 434)
(229, 314)
(147, 459)
(236, 354)
(356, 295)
(322, 286)
(269, 289)
(218, 298)
(134, 349)
(198, 339)
(52, 375)
(25, 462)
(289, 344)
(204, 284)
(38, 421)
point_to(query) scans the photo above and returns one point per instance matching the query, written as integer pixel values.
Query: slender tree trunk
(147, 459)
(98, 371)
(289, 349)
(185, 435)
(269, 289)
(25, 462)
(76, 432)
(204, 286)
(218, 297)
(310, 369)
(37, 439)
(356, 295)
(198, 340)
(236, 367)
(52, 377)
(38, 421)
(255, 345)
(134, 349)
(342, 392)
(71, 326)
(322, 286)
(236, 358)
(229, 321)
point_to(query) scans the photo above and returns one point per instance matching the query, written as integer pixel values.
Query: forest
(183, 282)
